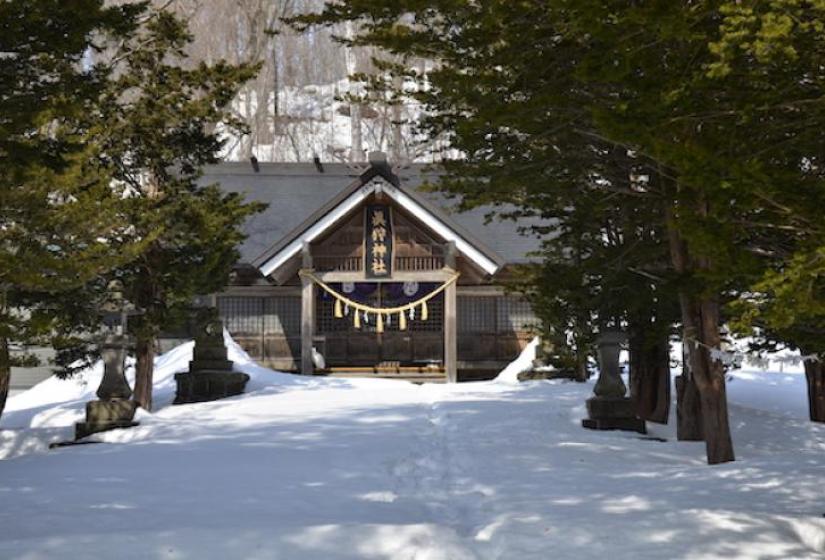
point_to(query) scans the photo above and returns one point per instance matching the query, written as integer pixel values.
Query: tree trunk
(144, 368)
(688, 410)
(582, 373)
(353, 66)
(718, 441)
(650, 375)
(700, 317)
(815, 374)
(5, 372)
(5, 357)
(357, 151)
(700, 323)
(397, 151)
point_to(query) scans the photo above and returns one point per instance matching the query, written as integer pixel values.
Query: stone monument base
(612, 413)
(542, 374)
(102, 416)
(202, 386)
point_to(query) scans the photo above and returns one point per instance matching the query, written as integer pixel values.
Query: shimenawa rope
(379, 312)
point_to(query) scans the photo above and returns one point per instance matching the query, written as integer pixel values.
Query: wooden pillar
(450, 327)
(307, 314)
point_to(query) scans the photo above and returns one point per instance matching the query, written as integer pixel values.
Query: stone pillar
(610, 409)
(114, 409)
(609, 383)
(114, 384)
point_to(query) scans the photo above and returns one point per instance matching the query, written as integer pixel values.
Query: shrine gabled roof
(368, 183)
(299, 194)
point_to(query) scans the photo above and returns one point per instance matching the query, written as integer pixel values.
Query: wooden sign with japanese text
(378, 242)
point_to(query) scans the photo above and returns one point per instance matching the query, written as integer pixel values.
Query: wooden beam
(307, 314)
(406, 276)
(261, 291)
(482, 291)
(450, 256)
(287, 271)
(306, 256)
(450, 334)
(470, 273)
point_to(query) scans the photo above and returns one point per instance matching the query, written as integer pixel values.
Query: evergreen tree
(778, 49)
(609, 273)
(56, 204)
(160, 124)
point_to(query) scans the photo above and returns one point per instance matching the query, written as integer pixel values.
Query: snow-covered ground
(325, 468)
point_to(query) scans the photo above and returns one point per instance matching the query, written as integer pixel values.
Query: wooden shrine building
(361, 273)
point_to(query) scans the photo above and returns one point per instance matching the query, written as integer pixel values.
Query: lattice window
(242, 314)
(494, 314)
(326, 322)
(254, 315)
(514, 314)
(282, 315)
(476, 314)
(435, 320)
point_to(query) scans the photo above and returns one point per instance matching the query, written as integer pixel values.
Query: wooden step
(385, 369)
(413, 377)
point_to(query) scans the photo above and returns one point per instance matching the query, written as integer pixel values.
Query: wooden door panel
(476, 347)
(508, 347)
(428, 347)
(396, 347)
(363, 349)
(335, 348)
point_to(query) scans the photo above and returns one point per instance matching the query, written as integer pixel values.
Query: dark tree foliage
(58, 226)
(778, 49)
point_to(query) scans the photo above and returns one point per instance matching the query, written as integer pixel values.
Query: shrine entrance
(378, 270)
(419, 346)
(345, 291)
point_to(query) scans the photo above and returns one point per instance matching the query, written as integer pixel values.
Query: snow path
(313, 468)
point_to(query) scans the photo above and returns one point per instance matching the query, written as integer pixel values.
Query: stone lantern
(210, 376)
(610, 408)
(114, 409)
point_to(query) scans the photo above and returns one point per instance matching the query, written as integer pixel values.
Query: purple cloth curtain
(393, 292)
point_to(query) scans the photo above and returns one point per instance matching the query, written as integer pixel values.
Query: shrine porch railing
(356, 264)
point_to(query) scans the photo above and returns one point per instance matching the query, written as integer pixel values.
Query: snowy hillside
(341, 469)
(316, 120)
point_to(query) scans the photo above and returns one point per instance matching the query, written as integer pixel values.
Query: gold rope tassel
(379, 323)
(358, 308)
